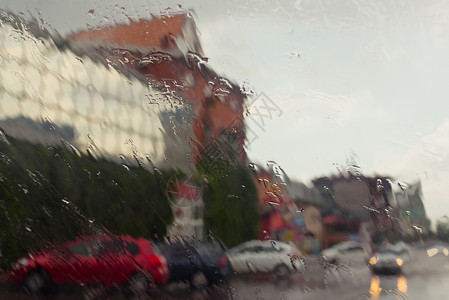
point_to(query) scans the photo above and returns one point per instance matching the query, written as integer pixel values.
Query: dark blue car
(196, 263)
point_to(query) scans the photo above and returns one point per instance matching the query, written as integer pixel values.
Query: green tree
(231, 212)
(54, 194)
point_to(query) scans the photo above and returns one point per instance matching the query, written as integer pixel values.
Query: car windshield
(81, 248)
(397, 252)
(341, 246)
(232, 137)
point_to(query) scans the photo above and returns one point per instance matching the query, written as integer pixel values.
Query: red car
(102, 261)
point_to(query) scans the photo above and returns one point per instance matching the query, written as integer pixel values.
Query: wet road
(424, 278)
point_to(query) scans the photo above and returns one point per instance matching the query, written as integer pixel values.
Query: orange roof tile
(144, 33)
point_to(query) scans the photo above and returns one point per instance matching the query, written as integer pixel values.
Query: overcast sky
(362, 77)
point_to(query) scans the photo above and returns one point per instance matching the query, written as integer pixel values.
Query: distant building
(409, 198)
(166, 51)
(288, 209)
(53, 96)
(372, 206)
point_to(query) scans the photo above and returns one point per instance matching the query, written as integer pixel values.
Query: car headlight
(373, 260)
(399, 261)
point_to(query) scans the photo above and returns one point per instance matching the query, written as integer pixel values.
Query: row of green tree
(53, 194)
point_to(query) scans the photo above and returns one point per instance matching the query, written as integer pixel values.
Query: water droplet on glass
(418, 229)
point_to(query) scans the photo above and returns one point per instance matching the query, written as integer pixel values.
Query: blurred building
(206, 116)
(50, 95)
(166, 50)
(139, 92)
(289, 210)
(371, 209)
(414, 221)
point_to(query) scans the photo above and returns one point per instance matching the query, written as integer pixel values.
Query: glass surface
(309, 123)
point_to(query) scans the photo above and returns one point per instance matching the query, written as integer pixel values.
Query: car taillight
(155, 261)
(222, 262)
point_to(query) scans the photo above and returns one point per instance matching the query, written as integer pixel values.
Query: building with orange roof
(167, 52)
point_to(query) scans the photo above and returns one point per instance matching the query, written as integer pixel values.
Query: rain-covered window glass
(236, 149)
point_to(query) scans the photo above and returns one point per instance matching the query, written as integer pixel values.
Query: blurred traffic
(119, 267)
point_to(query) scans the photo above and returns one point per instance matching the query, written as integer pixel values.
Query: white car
(275, 257)
(348, 253)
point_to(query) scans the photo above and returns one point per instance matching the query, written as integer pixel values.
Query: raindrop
(418, 229)
(65, 201)
(156, 170)
(402, 186)
(371, 209)
(328, 190)
(252, 166)
(379, 185)
(295, 54)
